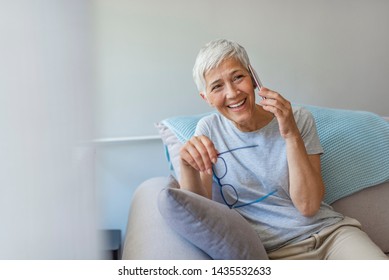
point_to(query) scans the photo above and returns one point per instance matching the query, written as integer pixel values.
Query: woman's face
(230, 89)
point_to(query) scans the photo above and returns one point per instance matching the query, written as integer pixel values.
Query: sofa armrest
(148, 236)
(370, 208)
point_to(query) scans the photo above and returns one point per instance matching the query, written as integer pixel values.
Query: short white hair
(212, 54)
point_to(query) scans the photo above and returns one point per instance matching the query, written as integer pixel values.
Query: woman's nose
(232, 91)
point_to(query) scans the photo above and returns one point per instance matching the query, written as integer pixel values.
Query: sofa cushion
(219, 231)
(370, 208)
(172, 147)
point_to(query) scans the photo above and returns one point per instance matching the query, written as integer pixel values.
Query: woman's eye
(238, 77)
(216, 87)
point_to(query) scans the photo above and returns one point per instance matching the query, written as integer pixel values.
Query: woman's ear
(204, 97)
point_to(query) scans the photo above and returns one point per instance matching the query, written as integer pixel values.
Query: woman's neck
(260, 119)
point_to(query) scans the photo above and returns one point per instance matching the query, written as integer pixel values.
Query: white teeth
(238, 104)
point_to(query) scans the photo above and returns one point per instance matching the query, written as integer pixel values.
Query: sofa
(159, 228)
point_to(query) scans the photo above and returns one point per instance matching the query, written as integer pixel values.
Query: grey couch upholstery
(149, 237)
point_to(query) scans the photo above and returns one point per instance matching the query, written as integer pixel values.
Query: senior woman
(263, 159)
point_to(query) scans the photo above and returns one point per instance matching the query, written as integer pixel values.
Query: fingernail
(209, 171)
(214, 160)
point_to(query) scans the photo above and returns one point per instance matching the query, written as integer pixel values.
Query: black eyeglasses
(228, 192)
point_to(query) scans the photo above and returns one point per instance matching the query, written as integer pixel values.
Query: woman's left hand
(282, 110)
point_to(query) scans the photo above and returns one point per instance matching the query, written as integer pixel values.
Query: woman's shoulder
(301, 113)
(208, 123)
(300, 109)
(210, 118)
(305, 120)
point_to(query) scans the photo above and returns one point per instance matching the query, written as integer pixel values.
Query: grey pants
(343, 241)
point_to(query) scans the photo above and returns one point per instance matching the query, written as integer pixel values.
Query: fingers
(282, 110)
(275, 103)
(199, 153)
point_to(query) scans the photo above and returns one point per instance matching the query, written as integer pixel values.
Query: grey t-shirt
(251, 176)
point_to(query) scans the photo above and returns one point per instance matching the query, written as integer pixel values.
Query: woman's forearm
(196, 158)
(306, 186)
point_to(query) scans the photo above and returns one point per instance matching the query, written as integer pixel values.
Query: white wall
(326, 53)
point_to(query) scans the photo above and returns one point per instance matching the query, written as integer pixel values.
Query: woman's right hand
(199, 153)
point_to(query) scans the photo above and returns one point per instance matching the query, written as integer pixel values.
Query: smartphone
(256, 79)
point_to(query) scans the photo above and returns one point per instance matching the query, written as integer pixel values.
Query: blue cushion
(183, 126)
(356, 150)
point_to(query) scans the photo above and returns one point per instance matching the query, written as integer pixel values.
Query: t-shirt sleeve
(307, 126)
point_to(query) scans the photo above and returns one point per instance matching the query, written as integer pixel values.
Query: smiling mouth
(237, 105)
